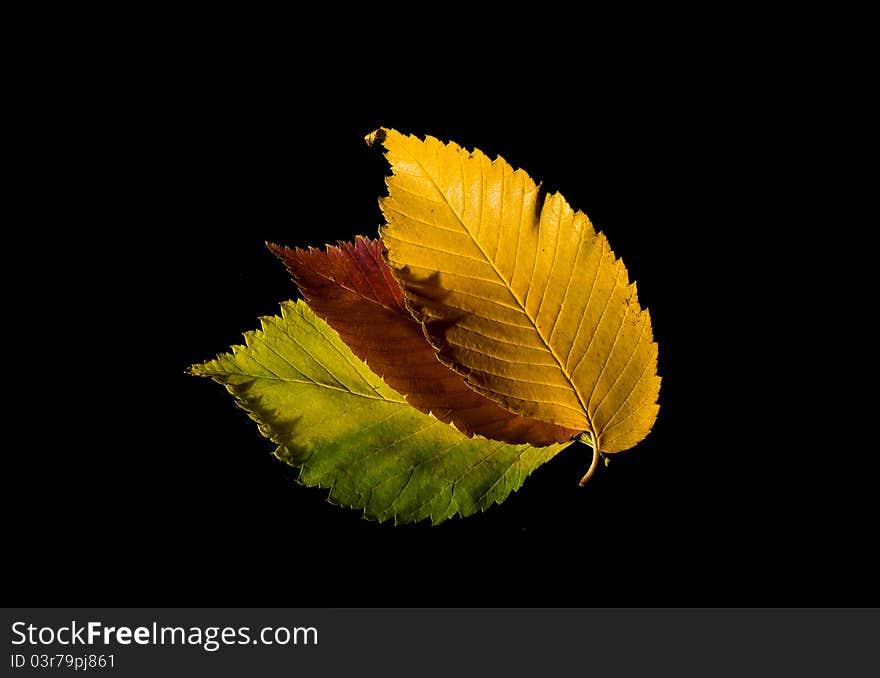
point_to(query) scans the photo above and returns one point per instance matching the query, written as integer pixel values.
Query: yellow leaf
(517, 293)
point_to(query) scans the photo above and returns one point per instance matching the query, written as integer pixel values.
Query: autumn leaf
(348, 431)
(351, 288)
(518, 293)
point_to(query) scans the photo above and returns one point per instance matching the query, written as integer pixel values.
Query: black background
(143, 486)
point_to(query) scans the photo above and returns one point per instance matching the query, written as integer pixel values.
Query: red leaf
(351, 287)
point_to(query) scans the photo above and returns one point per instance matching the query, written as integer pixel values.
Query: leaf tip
(198, 370)
(283, 253)
(375, 136)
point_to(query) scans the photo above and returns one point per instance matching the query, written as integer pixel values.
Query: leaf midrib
(508, 287)
(219, 374)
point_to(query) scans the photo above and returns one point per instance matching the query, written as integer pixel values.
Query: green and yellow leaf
(346, 430)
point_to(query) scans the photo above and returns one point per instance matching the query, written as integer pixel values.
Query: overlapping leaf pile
(427, 373)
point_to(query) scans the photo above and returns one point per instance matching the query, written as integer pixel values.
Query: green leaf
(348, 431)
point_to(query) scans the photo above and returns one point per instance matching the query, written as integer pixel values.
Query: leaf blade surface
(352, 289)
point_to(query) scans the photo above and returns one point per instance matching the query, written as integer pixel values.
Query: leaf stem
(593, 442)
